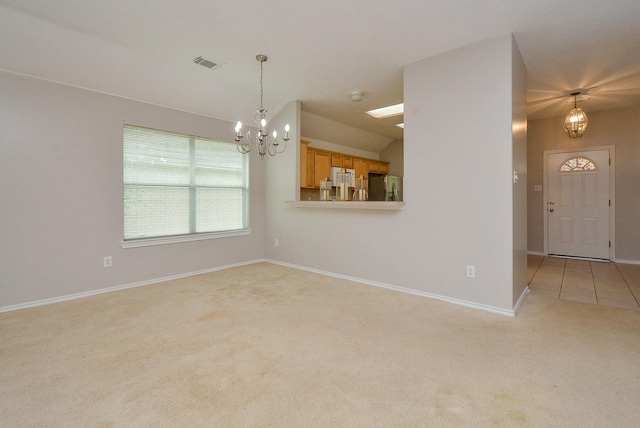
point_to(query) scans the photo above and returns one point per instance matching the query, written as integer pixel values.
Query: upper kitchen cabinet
(378, 167)
(307, 167)
(322, 166)
(362, 167)
(315, 165)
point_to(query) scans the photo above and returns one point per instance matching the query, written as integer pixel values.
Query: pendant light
(576, 121)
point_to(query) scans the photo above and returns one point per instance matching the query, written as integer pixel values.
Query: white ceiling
(319, 51)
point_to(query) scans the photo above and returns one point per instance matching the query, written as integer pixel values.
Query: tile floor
(601, 283)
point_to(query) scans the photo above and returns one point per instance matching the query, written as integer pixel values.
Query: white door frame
(612, 193)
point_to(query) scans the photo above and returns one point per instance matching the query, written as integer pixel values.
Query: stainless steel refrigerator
(385, 187)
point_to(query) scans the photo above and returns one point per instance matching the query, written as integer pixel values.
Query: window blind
(179, 184)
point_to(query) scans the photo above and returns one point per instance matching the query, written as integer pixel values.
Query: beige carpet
(266, 345)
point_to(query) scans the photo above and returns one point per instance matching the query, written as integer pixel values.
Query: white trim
(84, 294)
(590, 259)
(612, 192)
(516, 308)
(145, 242)
(628, 262)
(473, 305)
(536, 253)
(119, 287)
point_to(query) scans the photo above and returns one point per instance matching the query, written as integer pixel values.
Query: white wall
(320, 128)
(61, 189)
(519, 130)
(459, 106)
(394, 154)
(458, 190)
(333, 147)
(282, 174)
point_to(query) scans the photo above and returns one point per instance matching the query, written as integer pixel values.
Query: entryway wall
(613, 127)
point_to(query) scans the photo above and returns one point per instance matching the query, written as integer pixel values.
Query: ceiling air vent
(207, 63)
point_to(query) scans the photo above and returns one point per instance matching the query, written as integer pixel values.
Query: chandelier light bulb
(238, 126)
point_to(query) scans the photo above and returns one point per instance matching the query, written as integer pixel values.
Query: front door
(578, 204)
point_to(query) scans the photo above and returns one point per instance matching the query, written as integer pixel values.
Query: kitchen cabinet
(362, 167)
(322, 166)
(307, 167)
(379, 167)
(315, 165)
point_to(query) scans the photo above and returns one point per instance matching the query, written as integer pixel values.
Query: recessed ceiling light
(400, 125)
(388, 111)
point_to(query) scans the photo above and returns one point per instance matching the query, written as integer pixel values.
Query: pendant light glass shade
(576, 121)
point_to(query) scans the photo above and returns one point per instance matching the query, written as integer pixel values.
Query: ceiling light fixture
(260, 138)
(576, 121)
(356, 96)
(381, 113)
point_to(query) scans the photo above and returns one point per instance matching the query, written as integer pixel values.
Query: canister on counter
(325, 189)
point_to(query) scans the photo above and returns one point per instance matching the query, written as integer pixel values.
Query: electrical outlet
(107, 262)
(276, 242)
(471, 271)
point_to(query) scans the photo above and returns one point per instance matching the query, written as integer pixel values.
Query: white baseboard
(473, 305)
(627, 262)
(622, 261)
(460, 302)
(119, 287)
(521, 300)
(535, 253)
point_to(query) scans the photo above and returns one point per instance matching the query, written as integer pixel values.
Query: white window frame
(192, 235)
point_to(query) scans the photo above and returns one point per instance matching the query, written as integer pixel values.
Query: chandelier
(260, 138)
(576, 121)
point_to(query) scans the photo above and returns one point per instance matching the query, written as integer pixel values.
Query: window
(181, 185)
(578, 164)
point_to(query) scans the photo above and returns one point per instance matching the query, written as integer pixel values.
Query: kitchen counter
(350, 205)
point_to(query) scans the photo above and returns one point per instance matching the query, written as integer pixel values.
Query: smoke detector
(212, 64)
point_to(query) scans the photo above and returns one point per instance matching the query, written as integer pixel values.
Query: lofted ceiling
(319, 51)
